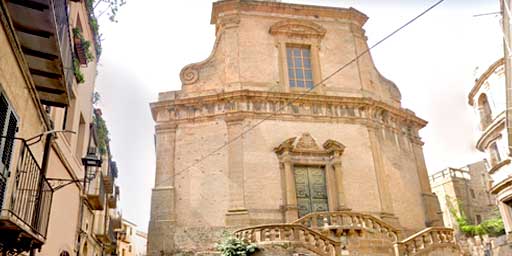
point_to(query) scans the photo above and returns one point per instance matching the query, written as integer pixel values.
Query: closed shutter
(8, 129)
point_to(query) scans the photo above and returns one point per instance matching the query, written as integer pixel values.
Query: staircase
(350, 233)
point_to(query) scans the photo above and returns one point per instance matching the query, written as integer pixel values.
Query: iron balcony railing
(62, 22)
(31, 198)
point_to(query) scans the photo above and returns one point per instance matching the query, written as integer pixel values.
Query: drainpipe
(44, 170)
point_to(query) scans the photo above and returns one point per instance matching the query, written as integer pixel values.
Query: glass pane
(291, 74)
(309, 75)
(290, 61)
(300, 83)
(309, 84)
(305, 52)
(292, 83)
(296, 51)
(288, 52)
(300, 74)
(307, 63)
(298, 63)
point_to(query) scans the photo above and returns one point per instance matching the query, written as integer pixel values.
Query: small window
(123, 252)
(478, 219)
(130, 248)
(64, 253)
(472, 193)
(300, 74)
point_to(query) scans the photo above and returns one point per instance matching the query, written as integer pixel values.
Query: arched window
(64, 253)
(494, 154)
(485, 111)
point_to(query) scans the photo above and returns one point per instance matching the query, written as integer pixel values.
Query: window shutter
(10, 133)
(8, 129)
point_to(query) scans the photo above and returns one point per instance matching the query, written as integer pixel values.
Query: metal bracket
(57, 183)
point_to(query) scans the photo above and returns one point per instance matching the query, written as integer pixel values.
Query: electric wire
(196, 162)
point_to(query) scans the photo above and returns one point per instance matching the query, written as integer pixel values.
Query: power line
(304, 93)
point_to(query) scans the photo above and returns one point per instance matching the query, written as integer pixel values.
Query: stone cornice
(483, 78)
(236, 6)
(274, 105)
(492, 131)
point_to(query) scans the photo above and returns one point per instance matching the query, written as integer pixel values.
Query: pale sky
(432, 61)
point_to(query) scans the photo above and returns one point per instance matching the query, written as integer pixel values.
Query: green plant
(493, 226)
(232, 246)
(78, 73)
(96, 97)
(101, 133)
(85, 44)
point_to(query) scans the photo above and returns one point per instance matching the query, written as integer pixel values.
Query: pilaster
(291, 212)
(340, 190)
(163, 215)
(237, 213)
(430, 201)
(386, 203)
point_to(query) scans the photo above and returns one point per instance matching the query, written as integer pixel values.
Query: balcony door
(311, 189)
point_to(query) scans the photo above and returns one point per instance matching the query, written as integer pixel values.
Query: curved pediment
(306, 143)
(297, 28)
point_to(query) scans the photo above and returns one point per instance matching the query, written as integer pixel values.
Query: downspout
(44, 170)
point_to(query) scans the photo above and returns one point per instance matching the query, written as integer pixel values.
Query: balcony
(105, 232)
(95, 192)
(117, 222)
(109, 179)
(42, 29)
(113, 198)
(24, 220)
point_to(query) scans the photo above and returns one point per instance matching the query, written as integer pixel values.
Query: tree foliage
(109, 7)
(493, 226)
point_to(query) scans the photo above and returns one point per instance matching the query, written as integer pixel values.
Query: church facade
(257, 137)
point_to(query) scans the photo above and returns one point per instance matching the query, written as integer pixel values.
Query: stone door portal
(311, 189)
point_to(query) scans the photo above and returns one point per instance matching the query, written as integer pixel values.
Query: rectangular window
(472, 193)
(8, 129)
(300, 74)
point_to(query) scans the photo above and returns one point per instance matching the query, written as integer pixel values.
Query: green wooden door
(311, 190)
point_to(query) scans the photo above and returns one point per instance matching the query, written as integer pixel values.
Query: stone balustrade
(290, 234)
(347, 221)
(426, 240)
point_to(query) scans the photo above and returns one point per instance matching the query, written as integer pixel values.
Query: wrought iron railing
(60, 8)
(31, 197)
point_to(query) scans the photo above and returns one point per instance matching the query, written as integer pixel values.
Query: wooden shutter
(8, 129)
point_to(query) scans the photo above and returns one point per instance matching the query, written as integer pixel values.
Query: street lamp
(90, 160)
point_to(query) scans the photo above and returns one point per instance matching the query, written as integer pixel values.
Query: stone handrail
(347, 220)
(424, 240)
(290, 233)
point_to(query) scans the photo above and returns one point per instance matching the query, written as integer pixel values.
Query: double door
(311, 189)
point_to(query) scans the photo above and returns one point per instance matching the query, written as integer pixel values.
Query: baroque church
(258, 145)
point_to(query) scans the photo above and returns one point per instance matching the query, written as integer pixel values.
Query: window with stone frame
(300, 72)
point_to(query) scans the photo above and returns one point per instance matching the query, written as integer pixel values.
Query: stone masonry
(230, 143)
